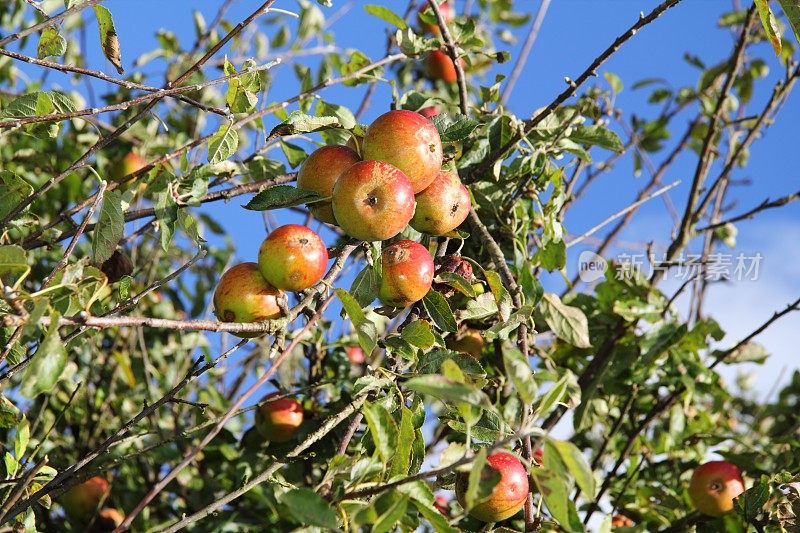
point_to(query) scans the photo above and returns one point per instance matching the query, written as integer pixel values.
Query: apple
(81, 501)
(442, 504)
(443, 206)
(538, 455)
(108, 519)
(278, 420)
(320, 171)
(406, 273)
(131, 163)
(292, 258)
(429, 112)
(444, 8)
(355, 354)
(508, 495)
(439, 66)
(373, 201)
(408, 141)
(468, 341)
(713, 487)
(243, 295)
(620, 520)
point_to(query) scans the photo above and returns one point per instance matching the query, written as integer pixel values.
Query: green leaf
(502, 329)
(366, 330)
(22, 437)
(13, 190)
(501, 295)
(222, 144)
(10, 415)
(555, 492)
(597, 136)
(48, 362)
(13, 259)
(771, 27)
(791, 8)
(365, 286)
(752, 352)
(124, 287)
(294, 154)
(401, 459)
(419, 334)
(382, 428)
(281, 196)
(481, 307)
(436, 519)
(448, 390)
(481, 481)
(439, 310)
(167, 216)
(567, 322)
(386, 14)
(431, 362)
(298, 122)
(309, 509)
(108, 37)
(458, 282)
(109, 229)
(519, 370)
(51, 43)
(574, 461)
(395, 512)
(454, 128)
(552, 396)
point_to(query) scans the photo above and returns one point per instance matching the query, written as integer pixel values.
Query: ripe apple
(443, 206)
(468, 341)
(538, 455)
(429, 112)
(108, 519)
(620, 520)
(131, 163)
(320, 171)
(243, 295)
(444, 8)
(408, 141)
(81, 501)
(508, 495)
(292, 258)
(373, 201)
(714, 486)
(442, 504)
(356, 355)
(278, 420)
(439, 66)
(406, 273)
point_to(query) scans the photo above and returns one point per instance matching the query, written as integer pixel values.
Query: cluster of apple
(81, 504)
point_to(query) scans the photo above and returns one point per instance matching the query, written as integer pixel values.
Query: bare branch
(452, 51)
(48, 22)
(763, 206)
(519, 66)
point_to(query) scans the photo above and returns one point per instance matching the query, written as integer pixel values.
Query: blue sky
(573, 33)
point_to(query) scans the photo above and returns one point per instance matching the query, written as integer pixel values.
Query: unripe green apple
(446, 11)
(278, 420)
(320, 171)
(408, 141)
(107, 520)
(243, 295)
(468, 341)
(373, 201)
(714, 486)
(508, 495)
(81, 501)
(443, 206)
(292, 258)
(406, 273)
(439, 66)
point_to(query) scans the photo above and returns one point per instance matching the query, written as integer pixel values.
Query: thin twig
(526, 50)
(766, 204)
(618, 214)
(452, 51)
(47, 22)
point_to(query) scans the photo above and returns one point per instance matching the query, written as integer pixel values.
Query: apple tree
(390, 352)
